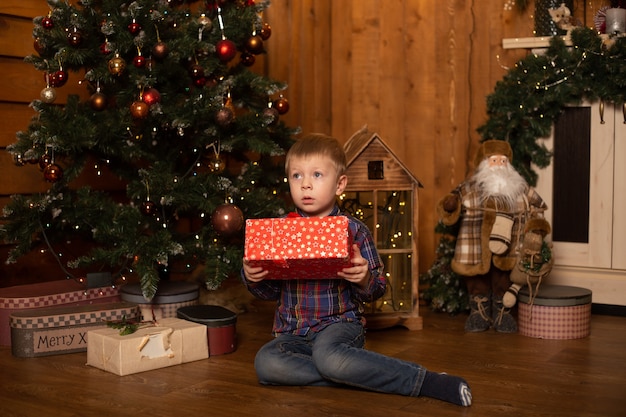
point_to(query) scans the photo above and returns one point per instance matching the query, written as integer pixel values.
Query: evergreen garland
(522, 110)
(531, 96)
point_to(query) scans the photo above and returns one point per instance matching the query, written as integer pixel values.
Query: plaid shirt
(311, 305)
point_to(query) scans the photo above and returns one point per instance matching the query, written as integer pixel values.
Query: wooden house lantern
(383, 193)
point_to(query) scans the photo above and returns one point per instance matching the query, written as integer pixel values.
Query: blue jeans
(335, 356)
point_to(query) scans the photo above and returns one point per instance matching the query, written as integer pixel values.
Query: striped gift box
(48, 294)
(555, 312)
(63, 329)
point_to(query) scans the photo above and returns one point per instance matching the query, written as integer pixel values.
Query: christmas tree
(173, 109)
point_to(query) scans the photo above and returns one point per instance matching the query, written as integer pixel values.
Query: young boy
(318, 326)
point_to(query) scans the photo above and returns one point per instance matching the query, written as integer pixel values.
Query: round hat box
(220, 323)
(170, 296)
(555, 312)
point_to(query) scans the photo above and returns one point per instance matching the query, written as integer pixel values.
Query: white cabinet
(585, 189)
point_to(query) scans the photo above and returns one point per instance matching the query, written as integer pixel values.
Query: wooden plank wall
(416, 72)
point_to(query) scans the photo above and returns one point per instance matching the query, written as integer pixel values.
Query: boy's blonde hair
(317, 144)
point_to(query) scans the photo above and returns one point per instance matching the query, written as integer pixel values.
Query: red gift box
(299, 247)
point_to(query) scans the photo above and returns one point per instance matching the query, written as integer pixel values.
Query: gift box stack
(48, 294)
(299, 247)
(63, 329)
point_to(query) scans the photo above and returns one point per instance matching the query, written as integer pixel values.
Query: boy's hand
(253, 274)
(359, 272)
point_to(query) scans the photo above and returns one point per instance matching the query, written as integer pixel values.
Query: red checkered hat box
(63, 329)
(299, 247)
(557, 312)
(48, 294)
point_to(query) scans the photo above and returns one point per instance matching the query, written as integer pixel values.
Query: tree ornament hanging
(18, 159)
(105, 47)
(48, 95)
(139, 109)
(247, 59)
(47, 22)
(75, 37)
(44, 161)
(58, 78)
(270, 116)
(227, 219)
(216, 165)
(281, 104)
(117, 65)
(225, 49)
(148, 208)
(254, 44)
(205, 21)
(160, 50)
(139, 61)
(98, 101)
(196, 71)
(53, 173)
(224, 117)
(266, 31)
(151, 96)
(134, 28)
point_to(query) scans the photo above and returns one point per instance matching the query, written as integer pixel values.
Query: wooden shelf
(534, 42)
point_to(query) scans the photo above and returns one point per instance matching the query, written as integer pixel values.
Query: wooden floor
(510, 375)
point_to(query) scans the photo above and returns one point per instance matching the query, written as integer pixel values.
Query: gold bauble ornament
(139, 109)
(98, 101)
(117, 65)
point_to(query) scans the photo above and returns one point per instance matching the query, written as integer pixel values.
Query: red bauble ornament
(53, 173)
(148, 208)
(160, 50)
(44, 161)
(139, 61)
(58, 78)
(98, 101)
(247, 59)
(225, 50)
(254, 44)
(196, 71)
(139, 110)
(282, 105)
(38, 46)
(105, 48)
(266, 31)
(199, 82)
(47, 23)
(134, 27)
(75, 38)
(151, 96)
(227, 219)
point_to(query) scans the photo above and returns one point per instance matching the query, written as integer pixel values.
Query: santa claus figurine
(492, 206)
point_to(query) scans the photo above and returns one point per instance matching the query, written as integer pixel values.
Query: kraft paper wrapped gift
(63, 329)
(171, 342)
(299, 247)
(48, 294)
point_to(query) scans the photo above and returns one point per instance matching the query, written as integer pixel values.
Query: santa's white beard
(500, 183)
